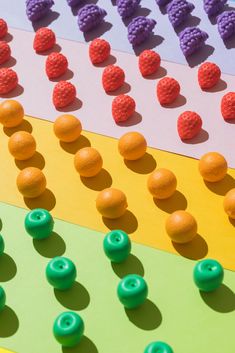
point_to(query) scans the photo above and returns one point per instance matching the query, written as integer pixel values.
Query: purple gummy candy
(226, 24)
(37, 9)
(213, 7)
(178, 11)
(73, 3)
(191, 39)
(162, 2)
(127, 8)
(90, 16)
(139, 29)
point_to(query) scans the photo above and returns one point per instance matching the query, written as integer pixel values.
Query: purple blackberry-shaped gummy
(178, 11)
(37, 9)
(90, 16)
(73, 3)
(192, 39)
(162, 2)
(226, 24)
(127, 8)
(213, 7)
(139, 29)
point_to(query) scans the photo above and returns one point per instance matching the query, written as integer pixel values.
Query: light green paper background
(179, 315)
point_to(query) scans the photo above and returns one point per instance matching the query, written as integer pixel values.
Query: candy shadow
(24, 126)
(111, 60)
(8, 37)
(135, 119)
(75, 298)
(140, 11)
(146, 317)
(200, 138)
(161, 72)
(47, 200)
(65, 77)
(230, 42)
(10, 63)
(46, 21)
(200, 56)
(144, 165)
(128, 222)
(221, 187)
(221, 300)
(85, 346)
(56, 49)
(131, 265)
(98, 32)
(176, 202)
(10, 322)
(221, 86)
(194, 250)
(50, 247)
(122, 90)
(99, 182)
(179, 102)
(192, 21)
(37, 161)
(16, 92)
(0, 224)
(73, 147)
(8, 268)
(153, 41)
(77, 104)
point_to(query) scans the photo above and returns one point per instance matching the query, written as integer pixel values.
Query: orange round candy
(162, 183)
(11, 113)
(181, 227)
(88, 162)
(31, 182)
(111, 203)
(229, 203)
(132, 146)
(67, 128)
(22, 145)
(213, 167)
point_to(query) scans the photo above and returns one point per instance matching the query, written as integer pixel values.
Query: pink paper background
(93, 108)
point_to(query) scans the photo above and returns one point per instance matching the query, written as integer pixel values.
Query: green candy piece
(158, 347)
(2, 298)
(2, 245)
(117, 246)
(132, 291)
(61, 273)
(208, 275)
(68, 329)
(39, 223)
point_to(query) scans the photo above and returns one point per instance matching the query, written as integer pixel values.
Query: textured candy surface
(5, 52)
(178, 11)
(99, 50)
(90, 16)
(64, 94)
(8, 80)
(113, 78)
(213, 7)
(208, 75)
(44, 39)
(37, 9)
(189, 125)
(168, 90)
(149, 62)
(56, 65)
(226, 24)
(192, 39)
(127, 8)
(3, 28)
(139, 29)
(123, 107)
(228, 106)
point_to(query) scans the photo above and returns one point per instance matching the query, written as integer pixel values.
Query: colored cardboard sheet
(175, 311)
(93, 106)
(164, 39)
(72, 198)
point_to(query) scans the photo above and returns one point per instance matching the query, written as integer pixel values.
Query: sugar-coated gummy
(140, 29)
(90, 16)
(162, 2)
(192, 39)
(73, 3)
(178, 11)
(213, 7)
(226, 24)
(37, 9)
(127, 8)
